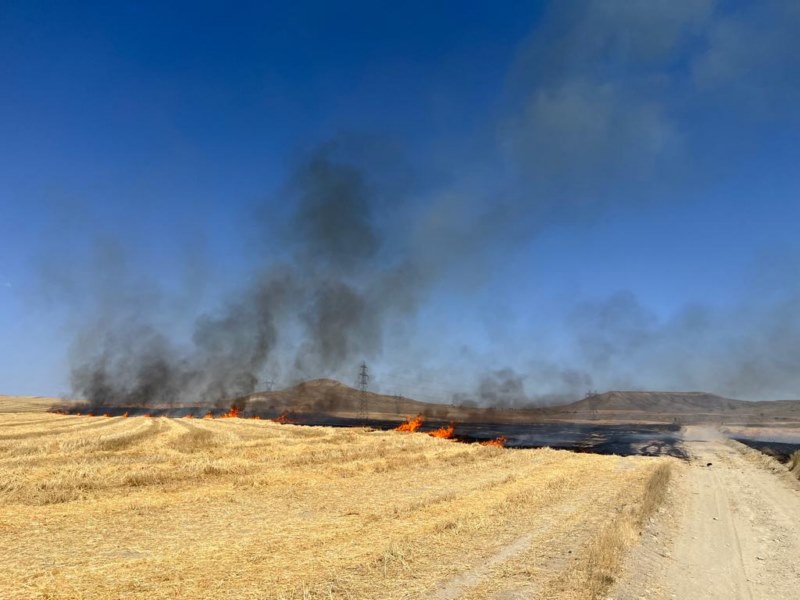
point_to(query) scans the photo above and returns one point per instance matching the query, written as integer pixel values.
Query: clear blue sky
(601, 188)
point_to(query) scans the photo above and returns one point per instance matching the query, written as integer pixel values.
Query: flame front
(446, 433)
(208, 415)
(499, 442)
(411, 424)
(233, 413)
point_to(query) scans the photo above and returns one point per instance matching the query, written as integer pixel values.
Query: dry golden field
(15, 404)
(114, 507)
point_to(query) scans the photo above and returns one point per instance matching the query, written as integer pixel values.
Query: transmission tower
(591, 397)
(363, 380)
(268, 383)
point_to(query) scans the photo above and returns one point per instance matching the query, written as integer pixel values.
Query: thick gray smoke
(541, 384)
(750, 349)
(329, 290)
(608, 112)
(501, 388)
(610, 107)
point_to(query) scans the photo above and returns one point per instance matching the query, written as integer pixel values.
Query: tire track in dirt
(738, 536)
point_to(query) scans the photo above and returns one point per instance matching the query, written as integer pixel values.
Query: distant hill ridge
(335, 398)
(677, 403)
(331, 397)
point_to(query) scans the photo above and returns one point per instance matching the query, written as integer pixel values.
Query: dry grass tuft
(794, 463)
(758, 458)
(655, 491)
(598, 564)
(606, 550)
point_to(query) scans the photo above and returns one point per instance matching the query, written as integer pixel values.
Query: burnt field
(618, 439)
(780, 451)
(623, 439)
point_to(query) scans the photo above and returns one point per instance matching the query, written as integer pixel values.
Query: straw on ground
(98, 507)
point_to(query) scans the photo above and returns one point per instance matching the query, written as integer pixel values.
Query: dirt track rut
(738, 534)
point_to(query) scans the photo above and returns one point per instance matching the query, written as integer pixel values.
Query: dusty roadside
(729, 531)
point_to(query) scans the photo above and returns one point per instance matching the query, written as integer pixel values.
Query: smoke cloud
(748, 350)
(330, 292)
(597, 118)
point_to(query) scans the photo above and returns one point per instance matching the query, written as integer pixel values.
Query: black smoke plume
(605, 103)
(332, 291)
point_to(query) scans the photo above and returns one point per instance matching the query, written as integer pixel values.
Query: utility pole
(590, 396)
(363, 380)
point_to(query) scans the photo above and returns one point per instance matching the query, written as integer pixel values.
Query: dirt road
(738, 529)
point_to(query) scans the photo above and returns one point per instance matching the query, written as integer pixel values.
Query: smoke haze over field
(485, 213)
(331, 288)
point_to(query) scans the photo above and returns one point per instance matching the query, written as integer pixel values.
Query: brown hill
(682, 406)
(328, 396)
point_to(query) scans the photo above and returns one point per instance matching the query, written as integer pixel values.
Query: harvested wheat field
(115, 507)
(16, 404)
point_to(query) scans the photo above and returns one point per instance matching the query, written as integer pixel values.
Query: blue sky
(567, 181)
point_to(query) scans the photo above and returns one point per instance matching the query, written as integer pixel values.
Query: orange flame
(233, 413)
(411, 424)
(445, 433)
(125, 414)
(188, 416)
(283, 418)
(89, 414)
(499, 442)
(256, 417)
(106, 414)
(149, 415)
(208, 415)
